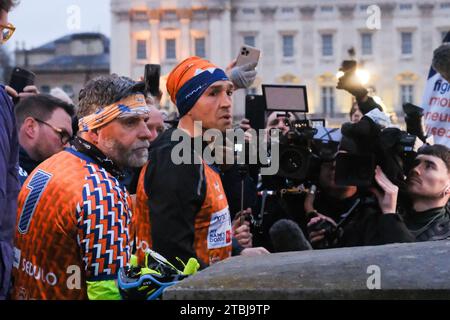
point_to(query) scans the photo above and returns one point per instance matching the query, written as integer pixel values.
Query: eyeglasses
(63, 134)
(7, 31)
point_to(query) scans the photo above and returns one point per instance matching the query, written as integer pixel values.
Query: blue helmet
(149, 282)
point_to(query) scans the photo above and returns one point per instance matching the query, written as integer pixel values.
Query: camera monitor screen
(285, 98)
(317, 123)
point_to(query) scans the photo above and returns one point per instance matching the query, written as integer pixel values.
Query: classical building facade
(68, 62)
(302, 42)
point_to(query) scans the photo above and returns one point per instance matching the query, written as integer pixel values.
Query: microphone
(286, 235)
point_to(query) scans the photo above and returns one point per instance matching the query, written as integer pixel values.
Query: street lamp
(362, 75)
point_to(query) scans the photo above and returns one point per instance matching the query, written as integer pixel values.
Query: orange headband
(129, 106)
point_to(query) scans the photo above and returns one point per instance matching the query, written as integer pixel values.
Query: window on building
(45, 89)
(171, 52)
(327, 45)
(248, 11)
(327, 98)
(249, 41)
(287, 10)
(140, 15)
(445, 5)
(67, 88)
(366, 43)
(288, 45)
(406, 93)
(326, 8)
(407, 43)
(170, 15)
(141, 52)
(363, 7)
(200, 14)
(200, 47)
(443, 34)
(405, 6)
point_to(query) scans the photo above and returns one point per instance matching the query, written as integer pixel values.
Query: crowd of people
(87, 190)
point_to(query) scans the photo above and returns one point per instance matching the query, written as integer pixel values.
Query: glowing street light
(362, 75)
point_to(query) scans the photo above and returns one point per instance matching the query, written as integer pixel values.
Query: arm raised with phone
(242, 70)
(21, 84)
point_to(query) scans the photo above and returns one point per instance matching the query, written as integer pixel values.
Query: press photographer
(419, 214)
(425, 217)
(300, 152)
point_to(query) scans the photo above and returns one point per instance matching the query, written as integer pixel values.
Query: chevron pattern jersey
(73, 223)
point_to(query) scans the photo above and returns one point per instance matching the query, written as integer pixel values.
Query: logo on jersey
(219, 232)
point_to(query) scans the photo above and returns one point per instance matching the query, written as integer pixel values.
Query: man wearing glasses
(45, 128)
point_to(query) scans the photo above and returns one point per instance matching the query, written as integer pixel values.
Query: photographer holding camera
(420, 213)
(277, 218)
(424, 216)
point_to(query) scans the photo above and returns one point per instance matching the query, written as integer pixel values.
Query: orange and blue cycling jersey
(73, 226)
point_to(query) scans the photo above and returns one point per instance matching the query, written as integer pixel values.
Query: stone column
(215, 32)
(345, 38)
(154, 20)
(425, 38)
(226, 34)
(388, 63)
(184, 15)
(426, 47)
(347, 32)
(121, 45)
(308, 40)
(270, 40)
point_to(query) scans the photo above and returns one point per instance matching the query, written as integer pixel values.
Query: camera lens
(291, 161)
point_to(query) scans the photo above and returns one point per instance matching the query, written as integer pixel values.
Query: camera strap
(345, 217)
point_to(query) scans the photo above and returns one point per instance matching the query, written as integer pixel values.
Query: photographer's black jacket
(365, 225)
(433, 224)
(369, 226)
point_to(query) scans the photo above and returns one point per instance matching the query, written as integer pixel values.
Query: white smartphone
(247, 54)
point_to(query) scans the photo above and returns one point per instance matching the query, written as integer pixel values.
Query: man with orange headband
(187, 214)
(74, 217)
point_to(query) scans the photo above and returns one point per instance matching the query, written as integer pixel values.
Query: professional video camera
(374, 142)
(300, 152)
(301, 145)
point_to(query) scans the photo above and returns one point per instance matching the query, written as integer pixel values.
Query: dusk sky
(40, 21)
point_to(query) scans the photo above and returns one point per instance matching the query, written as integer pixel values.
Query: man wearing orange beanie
(187, 206)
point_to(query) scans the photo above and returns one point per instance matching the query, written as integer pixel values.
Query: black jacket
(25, 161)
(176, 194)
(361, 222)
(370, 227)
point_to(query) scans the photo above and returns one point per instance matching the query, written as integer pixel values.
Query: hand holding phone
(248, 54)
(243, 74)
(151, 79)
(20, 78)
